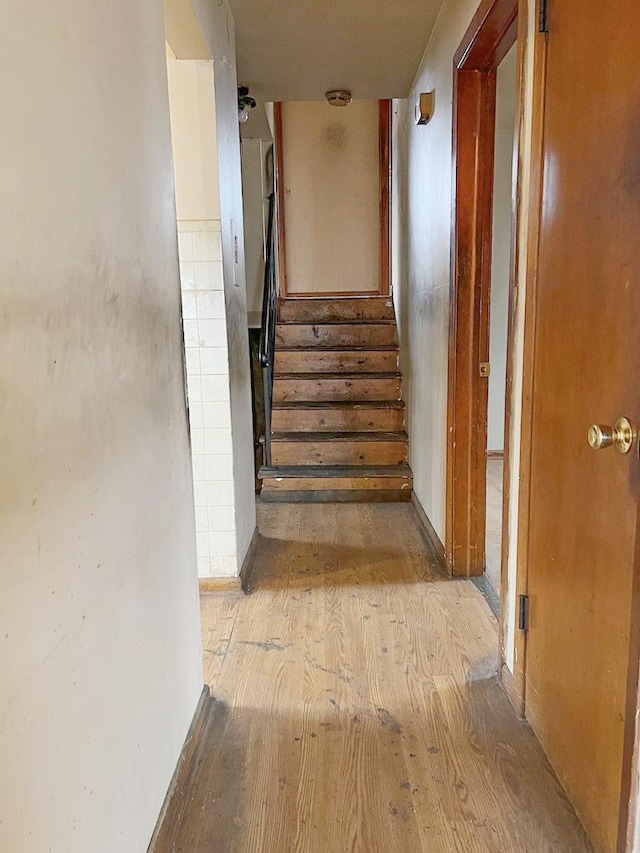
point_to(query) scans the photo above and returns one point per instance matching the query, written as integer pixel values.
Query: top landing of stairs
(345, 309)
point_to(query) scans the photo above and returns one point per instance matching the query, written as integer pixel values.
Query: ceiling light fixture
(339, 98)
(245, 104)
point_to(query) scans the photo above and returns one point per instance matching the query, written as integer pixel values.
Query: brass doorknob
(621, 435)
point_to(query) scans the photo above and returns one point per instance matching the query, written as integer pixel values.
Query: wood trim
(248, 564)
(510, 687)
(385, 196)
(631, 758)
(474, 120)
(174, 800)
(490, 35)
(629, 842)
(515, 688)
(533, 214)
(428, 531)
(211, 585)
(495, 454)
(279, 184)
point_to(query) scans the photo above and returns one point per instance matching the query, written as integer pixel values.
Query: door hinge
(485, 369)
(523, 612)
(543, 12)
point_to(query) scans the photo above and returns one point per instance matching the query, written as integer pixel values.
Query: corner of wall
(218, 26)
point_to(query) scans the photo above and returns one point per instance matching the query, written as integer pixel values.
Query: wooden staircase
(338, 416)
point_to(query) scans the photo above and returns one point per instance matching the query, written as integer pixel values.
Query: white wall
(331, 166)
(207, 364)
(501, 254)
(194, 138)
(99, 646)
(217, 25)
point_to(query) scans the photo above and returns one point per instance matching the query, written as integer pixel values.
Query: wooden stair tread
(332, 309)
(346, 348)
(334, 360)
(337, 471)
(338, 404)
(390, 374)
(333, 298)
(338, 321)
(313, 335)
(339, 436)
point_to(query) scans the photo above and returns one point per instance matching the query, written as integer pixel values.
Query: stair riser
(334, 362)
(337, 420)
(329, 484)
(334, 310)
(335, 336)
(339, 452)
(289, 390)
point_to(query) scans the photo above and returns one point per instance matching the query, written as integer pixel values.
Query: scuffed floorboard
(357, 707)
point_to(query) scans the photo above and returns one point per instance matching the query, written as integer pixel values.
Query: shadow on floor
(291, 564)
(367, 719)
(372, 780)
(334, 548)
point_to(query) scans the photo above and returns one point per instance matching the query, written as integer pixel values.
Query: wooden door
(583, 510)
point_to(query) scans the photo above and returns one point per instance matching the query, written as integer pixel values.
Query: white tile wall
(207, 362)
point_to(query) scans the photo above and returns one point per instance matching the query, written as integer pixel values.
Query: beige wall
(99, 647)
(183, 32)
(217, 25)
(332, 192)
(193, 137)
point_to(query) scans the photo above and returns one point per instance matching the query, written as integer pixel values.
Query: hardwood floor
(357, 707)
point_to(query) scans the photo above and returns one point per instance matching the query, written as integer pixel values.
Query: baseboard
(495, 454)
(516, 700)
(431, 537)
(208, 585)
(248, 564)
(173, 802)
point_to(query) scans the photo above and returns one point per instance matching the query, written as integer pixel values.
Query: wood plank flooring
(357, 707)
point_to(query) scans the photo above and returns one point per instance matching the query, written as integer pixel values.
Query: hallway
(357, 707)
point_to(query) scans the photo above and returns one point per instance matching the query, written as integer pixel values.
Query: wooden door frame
(384, 136)
(628, 805)
(489, 37)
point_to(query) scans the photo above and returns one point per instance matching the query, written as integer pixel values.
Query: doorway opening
(483, 259)
(498, 319)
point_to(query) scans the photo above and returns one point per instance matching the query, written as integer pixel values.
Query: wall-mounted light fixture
(339, 98)
(245, 104)
(425, 107)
